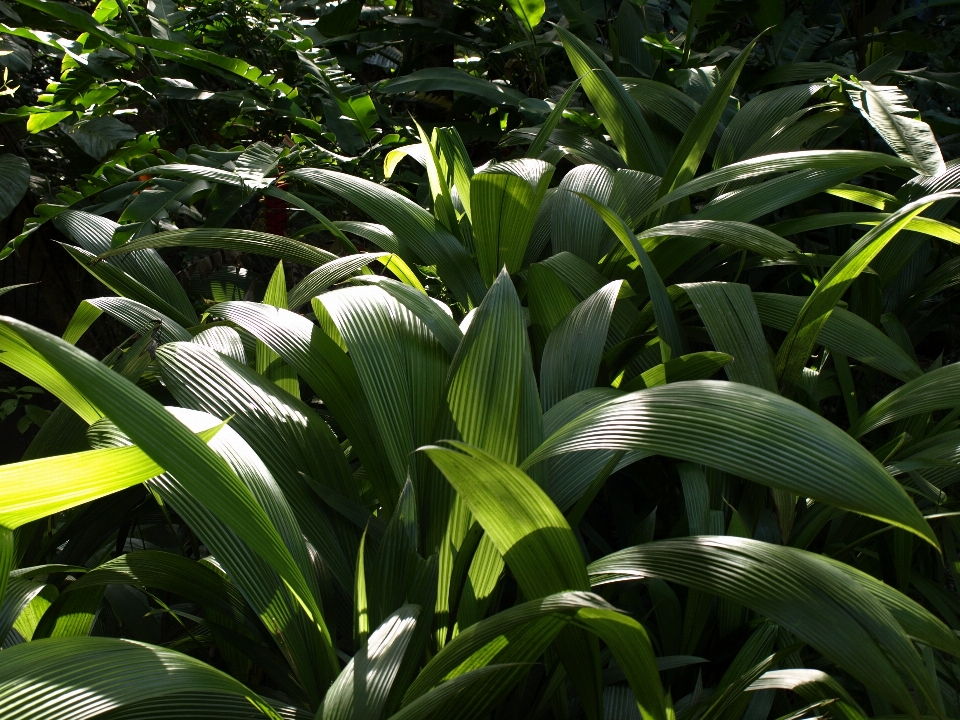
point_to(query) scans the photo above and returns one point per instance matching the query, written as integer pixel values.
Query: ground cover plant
(481, 360)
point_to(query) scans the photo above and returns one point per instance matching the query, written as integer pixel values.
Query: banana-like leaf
(362, 687)
(936, 390)
(83, 677)
(576, 227)
(571, 357)
(448, 78)
(798, 590)
(745, 236)
(533, 537)
(400, 366)
(619, 113)
(796, 347)
(432, 313)
(504, 200)
(887, 108)
(416, 229)
(844, 332)
(748, 432)
(758, 118)
(172, 446)
(127, 286)
(855, 162)
(291, 440)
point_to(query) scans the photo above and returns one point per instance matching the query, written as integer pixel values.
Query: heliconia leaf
(794, 588)
(362, 687)
(504, 199)
(571, 357)
(749, 432)
(104, 674)
(619, 113)
(796, 347)
(887, 108)
(936, 390)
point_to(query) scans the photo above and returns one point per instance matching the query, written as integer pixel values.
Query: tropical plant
(633, 415)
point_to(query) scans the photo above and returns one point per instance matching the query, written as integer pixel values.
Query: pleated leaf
(794, 588)
(937, 390)
(749, 432)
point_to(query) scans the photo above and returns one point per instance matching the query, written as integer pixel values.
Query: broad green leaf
(796, 347)
(571, 357)
(534, 539)
(751, 433)
(104, 674)
(171, 445)
(619, 113)
(14, 182)
(576, 227)
(672, 341)
(504, 200)
(448, 78)
(362, 687)
(936, 390)
(794, 588)
(844, 332)
(730, 317)
(887, 108)
(528, 12)
(686, 158)
(416, 229)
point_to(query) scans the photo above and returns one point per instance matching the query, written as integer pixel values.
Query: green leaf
(447, 79)
(105, 673)
(362, 687)
(730, 317)
(794, 588)
(416, 229)
(534, 539)
(542, 137)
(14, 182)
(887, 108)
(172, 446)
(34, 489)
(936, 390)
(329, 274)
(796, 347)
(619, 113)
(528, 12)
(571, 358)
(751, 433)
(504, 200)
(82, 21)
(844, 332)
(672, 341)
(686, 158)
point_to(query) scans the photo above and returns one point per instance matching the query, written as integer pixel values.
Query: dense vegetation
(582, 359)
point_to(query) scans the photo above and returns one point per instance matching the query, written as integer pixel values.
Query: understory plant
(649, 410)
